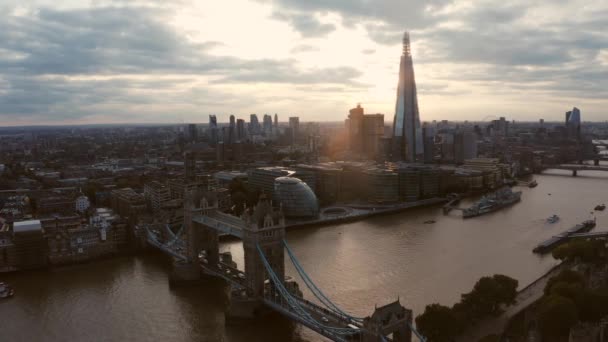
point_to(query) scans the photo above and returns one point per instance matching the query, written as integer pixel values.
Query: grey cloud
(272, 73)
(398, 14)
(368, 51)
(537, 46)
(439, 89)
(305, 23)
(51, 63)
(527, 47)
(113, 41)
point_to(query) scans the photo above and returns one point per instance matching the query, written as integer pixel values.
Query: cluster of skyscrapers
(237, 130)
(366, 132)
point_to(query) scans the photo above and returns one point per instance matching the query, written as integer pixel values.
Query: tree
(566, 289)
(587, 251)
(592, 305)
(438, 323)
(488, 294)
(556, 316)
(566, 276)
(238, 200)
(490, 338)
(507, 289)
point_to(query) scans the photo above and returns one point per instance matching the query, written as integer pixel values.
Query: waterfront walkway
(354, 212)
(525, 297)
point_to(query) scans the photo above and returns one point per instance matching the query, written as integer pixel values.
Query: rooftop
(27, 226)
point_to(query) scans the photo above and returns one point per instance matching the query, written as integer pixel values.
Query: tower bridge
(262, 285)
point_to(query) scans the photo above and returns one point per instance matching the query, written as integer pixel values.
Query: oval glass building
(296, 197)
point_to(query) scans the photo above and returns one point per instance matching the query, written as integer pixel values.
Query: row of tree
(568, 300)
(568, 297)
(593, 251)
(440, 323)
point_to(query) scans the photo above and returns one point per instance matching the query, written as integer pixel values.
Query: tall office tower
(192, 133)
(355, 128)
(294, 124)
(465, 146)
(267, 124)
(241, 134)
(231, 131)
(428, 135)
(447, 147)
(213, 133)
(225, 135)
(220, 152)
(573, 123)
(254, 125)
(189, 165)
(407, 133)
(276, 122)
(503, 127)
(373, 131)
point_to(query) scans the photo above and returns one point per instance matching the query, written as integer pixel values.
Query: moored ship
(495, 201)
(552, 219)
(6, 291)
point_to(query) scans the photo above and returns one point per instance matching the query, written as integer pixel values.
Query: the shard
(407, 132)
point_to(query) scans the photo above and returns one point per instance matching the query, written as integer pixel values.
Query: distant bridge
(575, 168)
(195, 250)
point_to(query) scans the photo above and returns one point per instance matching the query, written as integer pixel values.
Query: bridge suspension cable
(175, 236)
(420, 337)
(295, 305)
(326, 301)
(314, 289)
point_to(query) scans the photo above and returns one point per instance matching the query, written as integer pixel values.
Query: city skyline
(149, 62)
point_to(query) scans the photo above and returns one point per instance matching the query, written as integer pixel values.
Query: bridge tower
(264, 227)
(208, 238)
(188, 270)
(389, 319)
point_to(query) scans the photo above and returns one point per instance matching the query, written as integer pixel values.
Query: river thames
(357, 265)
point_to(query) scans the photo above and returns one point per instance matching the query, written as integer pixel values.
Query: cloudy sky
(112, 61)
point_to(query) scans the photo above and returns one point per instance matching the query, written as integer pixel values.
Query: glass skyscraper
(573, 123)
(407, 132)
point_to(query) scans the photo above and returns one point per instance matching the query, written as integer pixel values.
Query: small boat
(6, 291)
(600, 207)
(429, 222)
(532, 184)
(552, 219)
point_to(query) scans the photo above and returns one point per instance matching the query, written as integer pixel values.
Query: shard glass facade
(407, 132)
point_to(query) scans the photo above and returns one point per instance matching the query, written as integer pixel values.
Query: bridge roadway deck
(325, 318)
(232, 275)
(223, 223)
(317, 313)
(175, 251)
